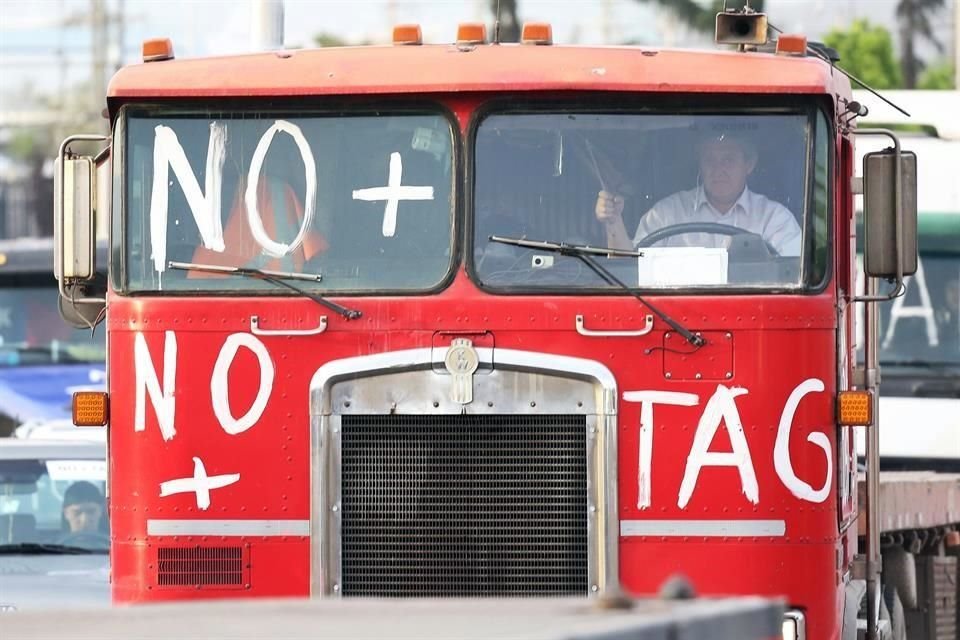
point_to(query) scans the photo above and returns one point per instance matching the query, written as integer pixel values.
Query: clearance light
(157, 49)
(471, 33)
(792, 44)
(537, 33)
(407, 34)
(90, 408)
(855, 408)
(794, 626)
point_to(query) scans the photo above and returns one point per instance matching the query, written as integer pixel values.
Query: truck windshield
(364, 200)
(713, 201)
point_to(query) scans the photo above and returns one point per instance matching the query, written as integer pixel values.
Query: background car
(50, 558)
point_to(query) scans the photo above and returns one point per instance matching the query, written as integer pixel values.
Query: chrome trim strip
(712, 528)
(158, 527)
(325, 562)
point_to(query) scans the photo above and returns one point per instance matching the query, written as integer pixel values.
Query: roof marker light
(407, 34)
(792, 44)
(537, 33)
(157, 49)
(471, 33)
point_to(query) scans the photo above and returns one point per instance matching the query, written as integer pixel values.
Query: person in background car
(83, 508)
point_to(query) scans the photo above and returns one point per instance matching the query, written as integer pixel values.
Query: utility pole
(956, 45)
(99, 38)
(266, 25)
(605, 27)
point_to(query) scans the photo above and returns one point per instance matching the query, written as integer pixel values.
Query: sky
(36, 50)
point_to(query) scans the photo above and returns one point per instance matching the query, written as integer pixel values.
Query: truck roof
(420, 69)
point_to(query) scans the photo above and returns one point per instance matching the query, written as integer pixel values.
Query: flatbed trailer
(919, 520)
(747, 618)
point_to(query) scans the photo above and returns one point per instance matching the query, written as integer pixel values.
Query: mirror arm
(898, 288)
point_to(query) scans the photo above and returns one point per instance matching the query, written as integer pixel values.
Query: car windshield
(364, 201)
(32, 331)
(712, 201)
(55, 503)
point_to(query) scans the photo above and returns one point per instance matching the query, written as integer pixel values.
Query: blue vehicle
(42, 360)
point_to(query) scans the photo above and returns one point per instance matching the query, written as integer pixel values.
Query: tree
(866, 51)
(699, 16)
(328, 40)
(914, 17)
(509, 22)
(939, 76)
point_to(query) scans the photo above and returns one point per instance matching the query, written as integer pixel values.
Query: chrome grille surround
(414, 383)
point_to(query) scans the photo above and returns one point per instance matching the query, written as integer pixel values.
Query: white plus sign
(200, 484)
(393, 193)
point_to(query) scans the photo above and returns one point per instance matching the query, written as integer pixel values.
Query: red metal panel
(780, 342)
(713, 361)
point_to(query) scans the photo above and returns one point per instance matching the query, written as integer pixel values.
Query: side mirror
(74, 231)
(880, 255)
(77, 196)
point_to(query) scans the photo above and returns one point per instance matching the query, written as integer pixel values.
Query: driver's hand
(609, 207)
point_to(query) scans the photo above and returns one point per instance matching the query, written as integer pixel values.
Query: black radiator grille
(464, 505)
(200, 566)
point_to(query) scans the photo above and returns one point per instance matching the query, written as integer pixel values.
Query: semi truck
(369, 333)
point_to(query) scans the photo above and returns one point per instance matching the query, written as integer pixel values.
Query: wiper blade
(565, 248)
(37, 548)
(585, 253)
(275, 277)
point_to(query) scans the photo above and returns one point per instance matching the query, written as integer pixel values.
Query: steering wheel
(698, 227)
(86, 539)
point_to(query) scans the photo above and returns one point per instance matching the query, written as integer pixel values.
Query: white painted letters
(200, 484)
(647, 400)
(722, 406)
(164, 402)
(393, 193)
(205, 206)
(781, 449)
(270, 246)
(923, 310)
(219, 391)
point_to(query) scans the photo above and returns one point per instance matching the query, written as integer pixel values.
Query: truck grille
(197, 566)
(464, 505)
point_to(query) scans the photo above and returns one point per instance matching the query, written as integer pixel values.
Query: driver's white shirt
(752, 212)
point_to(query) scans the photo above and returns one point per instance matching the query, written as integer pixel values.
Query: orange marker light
(537, 33)
(407, 34)
(855, 408)
(157, 49)
(471, 33)
(792, 44)
(90, 408)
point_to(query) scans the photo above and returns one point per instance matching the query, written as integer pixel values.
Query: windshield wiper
(275, 277)
(37, 548)
(584, 253)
